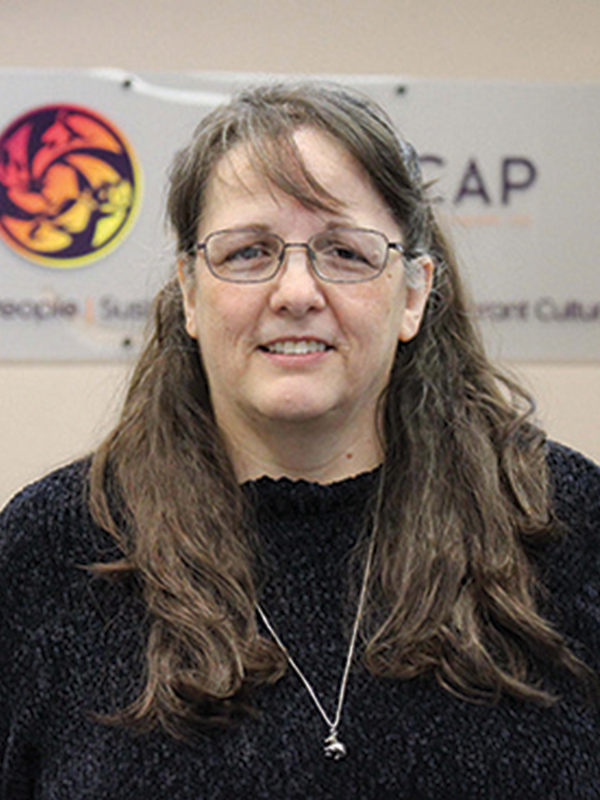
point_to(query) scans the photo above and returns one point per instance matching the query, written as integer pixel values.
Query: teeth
(300, 348)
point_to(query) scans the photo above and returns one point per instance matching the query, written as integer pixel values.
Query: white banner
(83, 163)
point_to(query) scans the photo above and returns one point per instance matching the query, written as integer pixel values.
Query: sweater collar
(284, 497)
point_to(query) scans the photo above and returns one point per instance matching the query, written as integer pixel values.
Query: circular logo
(70, 186)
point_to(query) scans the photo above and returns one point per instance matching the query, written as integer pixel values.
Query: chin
(298, 415)
(296, 411)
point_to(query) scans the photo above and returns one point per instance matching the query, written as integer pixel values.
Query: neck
(306, 450)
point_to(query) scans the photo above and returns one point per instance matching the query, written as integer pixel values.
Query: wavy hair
(466, 497)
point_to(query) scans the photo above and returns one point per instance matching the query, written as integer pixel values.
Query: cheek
(378, 314)
(225, 314)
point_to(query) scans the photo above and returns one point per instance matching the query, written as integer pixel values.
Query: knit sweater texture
(73, 644)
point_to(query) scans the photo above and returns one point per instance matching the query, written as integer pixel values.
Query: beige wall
(49, 413)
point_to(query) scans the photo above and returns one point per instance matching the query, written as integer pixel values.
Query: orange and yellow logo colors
(70, 187)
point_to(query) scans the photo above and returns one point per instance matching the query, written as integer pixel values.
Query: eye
(241, 250)
(347, 250)
(343, 252)
(250, 252)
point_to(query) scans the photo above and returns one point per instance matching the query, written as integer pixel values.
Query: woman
(324, 525)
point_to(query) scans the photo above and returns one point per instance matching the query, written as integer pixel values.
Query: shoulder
(47, 512)
(47, 541)
(56, 616)
(46, 536)
(65, 483)
(575, 485)
(571, 571)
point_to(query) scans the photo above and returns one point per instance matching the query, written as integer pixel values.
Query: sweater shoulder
(62, 484)
(48, 541)
(571, 571)
(51, 503)
(575, 485)
(48, 524)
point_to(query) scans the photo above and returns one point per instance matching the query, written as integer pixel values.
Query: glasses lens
(247, 256)
(349, 254)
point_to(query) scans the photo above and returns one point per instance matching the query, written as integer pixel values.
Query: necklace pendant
(334, 749)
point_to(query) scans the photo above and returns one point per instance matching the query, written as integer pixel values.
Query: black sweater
(72, 645)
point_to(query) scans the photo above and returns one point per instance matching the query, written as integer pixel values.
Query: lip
(308, 347)
(281, 341)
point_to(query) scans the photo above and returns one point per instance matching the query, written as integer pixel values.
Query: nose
(296, 287)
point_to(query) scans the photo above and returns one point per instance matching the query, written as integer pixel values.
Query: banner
(84, 157)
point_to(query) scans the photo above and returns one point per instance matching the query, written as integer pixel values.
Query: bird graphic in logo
(69, 186)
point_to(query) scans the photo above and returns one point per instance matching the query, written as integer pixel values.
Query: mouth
(295, 347)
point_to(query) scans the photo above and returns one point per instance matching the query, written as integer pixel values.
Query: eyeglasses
(339, 255)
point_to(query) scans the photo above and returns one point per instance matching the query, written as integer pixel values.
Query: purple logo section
(70, 186)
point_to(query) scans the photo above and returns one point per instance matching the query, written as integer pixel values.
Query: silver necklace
(333, 748)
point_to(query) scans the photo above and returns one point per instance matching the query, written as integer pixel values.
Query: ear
(188, 291)
(416, 298)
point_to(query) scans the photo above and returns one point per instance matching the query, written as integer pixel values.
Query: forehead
(294, 159)
(315, 169)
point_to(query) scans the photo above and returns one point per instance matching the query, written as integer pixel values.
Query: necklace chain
(334, 748)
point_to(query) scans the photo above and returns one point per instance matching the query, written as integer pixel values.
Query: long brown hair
(453, 592)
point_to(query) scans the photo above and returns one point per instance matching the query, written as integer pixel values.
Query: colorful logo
(70, 186)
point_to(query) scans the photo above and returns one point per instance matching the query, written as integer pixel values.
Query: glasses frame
(201, 247)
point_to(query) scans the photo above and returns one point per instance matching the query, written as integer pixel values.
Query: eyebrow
(340, 221)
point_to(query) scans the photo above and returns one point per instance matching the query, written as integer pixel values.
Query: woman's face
(339, 339)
